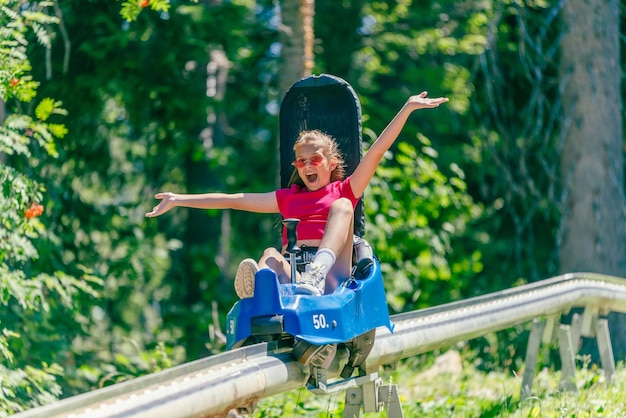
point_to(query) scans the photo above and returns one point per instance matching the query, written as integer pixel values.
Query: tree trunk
(297, 42)
(592, 226)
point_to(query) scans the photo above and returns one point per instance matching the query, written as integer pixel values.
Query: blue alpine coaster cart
(313, 327)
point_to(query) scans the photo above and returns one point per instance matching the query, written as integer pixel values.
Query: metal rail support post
(373, 397)
(532, 354)
(603, 338)
(568, 361)
(588, 325)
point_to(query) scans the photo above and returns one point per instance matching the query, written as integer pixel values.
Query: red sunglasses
(314, 160)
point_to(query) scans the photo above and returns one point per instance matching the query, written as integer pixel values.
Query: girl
(320, 197)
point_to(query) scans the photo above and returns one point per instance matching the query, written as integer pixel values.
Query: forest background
(518, 178)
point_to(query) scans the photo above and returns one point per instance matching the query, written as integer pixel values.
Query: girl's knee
(271, 253)
(273, 259)
(342, 206)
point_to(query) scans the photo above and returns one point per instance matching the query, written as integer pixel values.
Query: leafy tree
(419, 223)
(514, 150)
(39, 317)
(405, 48)
(184, 96)
(133, 131)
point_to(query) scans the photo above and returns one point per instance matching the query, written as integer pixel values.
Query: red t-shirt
(312, 208)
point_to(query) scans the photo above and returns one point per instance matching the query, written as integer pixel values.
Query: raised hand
(420, 101)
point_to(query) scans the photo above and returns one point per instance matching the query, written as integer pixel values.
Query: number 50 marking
(319, 321)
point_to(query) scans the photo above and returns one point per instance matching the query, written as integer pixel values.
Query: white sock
(324, 257)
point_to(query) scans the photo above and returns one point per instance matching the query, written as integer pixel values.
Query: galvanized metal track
(212, 386)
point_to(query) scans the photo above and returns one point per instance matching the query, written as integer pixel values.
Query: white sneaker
(244, 279)
(312, 281)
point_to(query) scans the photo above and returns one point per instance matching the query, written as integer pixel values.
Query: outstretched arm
(251, 202)
(367, 167)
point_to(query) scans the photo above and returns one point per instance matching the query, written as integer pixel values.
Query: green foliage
(32, 300)
(15, 22)
(409, 47)
(131, 9)
(28, 387)
(420, 224)
(496, 61)
(428, 391)
(134, 131)
(129, 364)
(513, 143)
(145, 115)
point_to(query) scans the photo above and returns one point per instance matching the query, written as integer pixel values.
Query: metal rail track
(214, 385)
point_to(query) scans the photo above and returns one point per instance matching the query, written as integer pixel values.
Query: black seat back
(329, 104)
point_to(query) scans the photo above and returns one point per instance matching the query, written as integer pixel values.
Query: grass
(455, 390)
